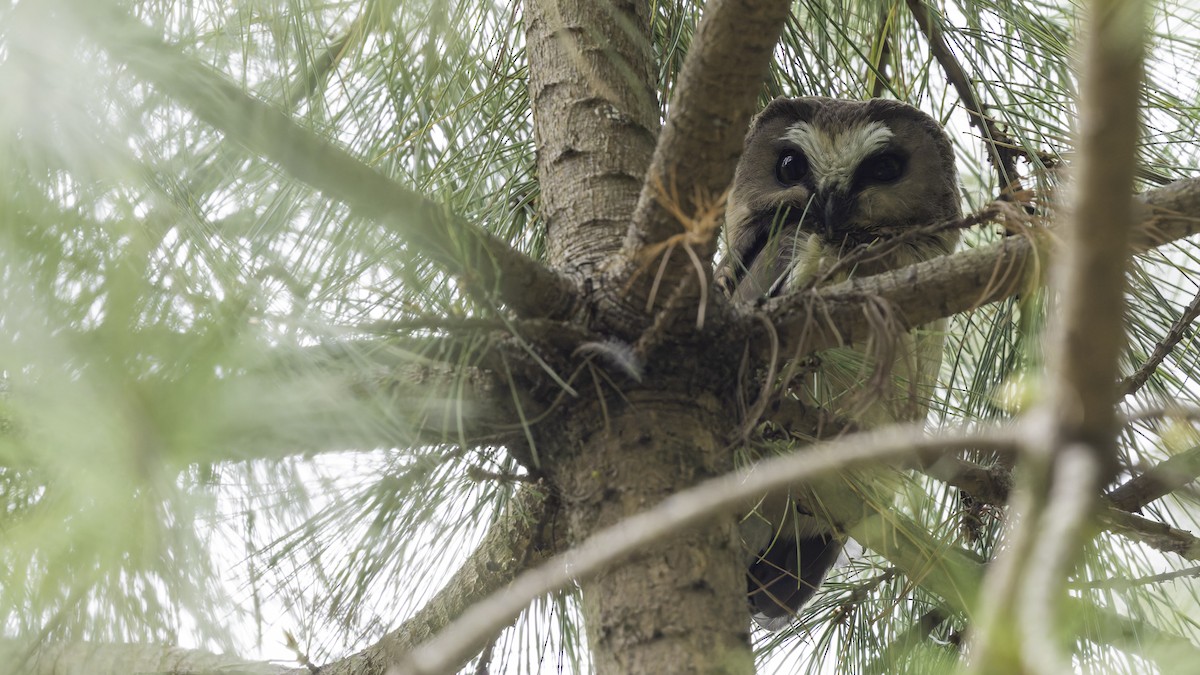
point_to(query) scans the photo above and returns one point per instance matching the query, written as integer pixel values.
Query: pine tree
(383, 335)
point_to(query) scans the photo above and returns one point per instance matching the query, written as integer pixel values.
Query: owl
(821, 178)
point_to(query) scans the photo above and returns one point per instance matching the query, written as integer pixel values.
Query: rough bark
(717, 94)
(595, 117)
(679, 606)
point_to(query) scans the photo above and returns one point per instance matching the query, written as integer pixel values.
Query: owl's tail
(784, 576)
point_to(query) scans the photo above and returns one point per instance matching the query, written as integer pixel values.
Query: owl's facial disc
(836, 168)
(834, 158)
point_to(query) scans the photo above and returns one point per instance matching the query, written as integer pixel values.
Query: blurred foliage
(178, 459)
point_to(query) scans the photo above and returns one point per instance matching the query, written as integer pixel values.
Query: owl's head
(836, 172)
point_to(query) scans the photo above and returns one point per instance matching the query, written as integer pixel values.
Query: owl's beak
(836, 209)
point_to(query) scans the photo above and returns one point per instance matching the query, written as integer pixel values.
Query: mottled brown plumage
(818, 179)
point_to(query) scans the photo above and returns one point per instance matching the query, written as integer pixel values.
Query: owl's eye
(792, 167)
(885, 168)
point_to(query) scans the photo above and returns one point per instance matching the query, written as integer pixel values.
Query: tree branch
(480, 260)
(833, 315)
(1073, 450)
(1157, 482)
(1089, 334)
(468, 390)
(350, 394)
(1133, 383)
(210, 174)
(1152, 533)
(716, 95)
(988, 485)
(1002, 150)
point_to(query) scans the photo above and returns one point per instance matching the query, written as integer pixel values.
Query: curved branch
(480, 260)
(522, 538)
(677, 512)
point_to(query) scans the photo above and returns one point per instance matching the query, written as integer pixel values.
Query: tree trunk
(680, 606)
(595, 118)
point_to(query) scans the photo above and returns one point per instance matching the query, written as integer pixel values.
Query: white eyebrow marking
(833, 158)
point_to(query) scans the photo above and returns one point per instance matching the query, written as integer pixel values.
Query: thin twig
(1133, 383)
(1002, 149)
